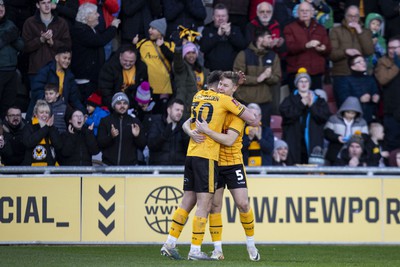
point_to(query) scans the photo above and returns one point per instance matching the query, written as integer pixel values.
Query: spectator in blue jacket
(95, 112)
(56, 72)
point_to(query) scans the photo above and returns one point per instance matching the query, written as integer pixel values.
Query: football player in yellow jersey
(232, 174)
(200, 178)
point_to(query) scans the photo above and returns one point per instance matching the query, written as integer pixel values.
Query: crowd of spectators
(114, 79)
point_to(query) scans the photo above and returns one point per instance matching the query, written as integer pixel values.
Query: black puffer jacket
(121, 150)
(167, 146)
(78, 148)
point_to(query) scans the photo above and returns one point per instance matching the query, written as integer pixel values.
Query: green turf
(235, 255)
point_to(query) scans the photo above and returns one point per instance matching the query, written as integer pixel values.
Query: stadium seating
(276, 125)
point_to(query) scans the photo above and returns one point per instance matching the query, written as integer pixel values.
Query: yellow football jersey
(212, 107)
(232, 155)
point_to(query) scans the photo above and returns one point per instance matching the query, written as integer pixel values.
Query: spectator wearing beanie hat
(302, 73)
(304, 115)
(280, 153)
(143, 94)
(353, 154)
(158, 55)
(190, 75)
(120, 135)
(95, 112)
(119, 97)
(160, 25)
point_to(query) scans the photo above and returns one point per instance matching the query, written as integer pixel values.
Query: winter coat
(237, 7)
(266, 147)
(135, 19)
(303, 125)
(220, 51)
(343, 38)
(190, 14)
(185, 80)
(14, 138)
(95, 118)
(158, 68)
(343, 158)
(78, 148)
(41, 53)
(360, 84)
(111, 80)
(388, 76)
(390, 11)
(48, 74)
(59, 110)
(336, 127)
(297, 34)
(121, 150)
(253, 62)
(167, 146)
(10, 45)
(67, 9)
(108, 8)
(380, 46)
(41, 144)
(89, 45)
(252, 26)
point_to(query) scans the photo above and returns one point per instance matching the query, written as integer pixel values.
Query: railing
(292, 170)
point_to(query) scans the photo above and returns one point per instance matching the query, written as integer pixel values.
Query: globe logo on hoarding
(160, 205)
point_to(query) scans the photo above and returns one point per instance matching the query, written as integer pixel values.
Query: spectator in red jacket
(308, 46)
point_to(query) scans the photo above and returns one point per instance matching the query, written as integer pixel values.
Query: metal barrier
(298, 170)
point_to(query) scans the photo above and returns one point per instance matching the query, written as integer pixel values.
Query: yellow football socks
(178, 221)
(247, 220)
(216, 226)
(199, 226)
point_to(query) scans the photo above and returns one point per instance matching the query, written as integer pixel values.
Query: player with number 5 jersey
(201, 168)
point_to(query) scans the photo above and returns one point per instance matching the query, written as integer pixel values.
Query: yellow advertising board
(310, 209)
(103, 209)
(150, 205)
(391, 210)
(139, 209)
(40, 209)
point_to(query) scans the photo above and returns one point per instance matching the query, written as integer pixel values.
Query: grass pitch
(235, 255)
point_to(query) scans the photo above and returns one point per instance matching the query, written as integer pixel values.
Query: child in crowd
(373, 145)
(353, 154)
(95, 111)
(342, 125)
(57, 106)
(375, 23)
(363, 86)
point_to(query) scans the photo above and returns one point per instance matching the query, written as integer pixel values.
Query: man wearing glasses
(13, 149)
(348, 39)
(387, 72)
